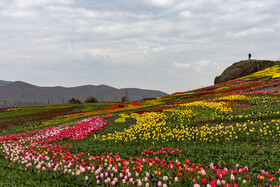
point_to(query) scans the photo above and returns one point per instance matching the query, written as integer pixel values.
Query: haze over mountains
(2, 83)
(23, 94)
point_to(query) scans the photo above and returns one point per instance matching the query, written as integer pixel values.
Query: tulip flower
(204, 181)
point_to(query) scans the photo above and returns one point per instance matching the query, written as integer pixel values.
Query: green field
(225, 134)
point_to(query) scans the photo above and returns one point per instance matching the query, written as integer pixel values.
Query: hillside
(28, 94)
(226, 134)
(2, 83)
(243, 68)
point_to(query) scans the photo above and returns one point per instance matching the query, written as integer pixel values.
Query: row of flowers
(148, 170)
(267, 77)
(153, 127)
(30, 115)
(61, 116)
(38, 149)
(178, 122)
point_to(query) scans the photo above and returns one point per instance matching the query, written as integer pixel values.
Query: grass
(244, 131)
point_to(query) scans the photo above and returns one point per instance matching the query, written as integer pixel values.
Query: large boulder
(243, 68)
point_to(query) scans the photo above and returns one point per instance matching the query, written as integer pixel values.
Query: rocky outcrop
(243, 68)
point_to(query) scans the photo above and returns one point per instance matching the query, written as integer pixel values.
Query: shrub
(91, 99)
(74, 101)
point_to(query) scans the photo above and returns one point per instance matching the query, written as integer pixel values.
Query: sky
(167, 45)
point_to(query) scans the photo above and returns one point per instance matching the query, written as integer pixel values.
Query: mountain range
(2, 83)
(19, 93)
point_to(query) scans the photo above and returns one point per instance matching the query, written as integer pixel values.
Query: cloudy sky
(167, 45)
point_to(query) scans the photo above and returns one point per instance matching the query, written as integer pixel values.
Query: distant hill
(243, 68)
(24, 94)
(2, 83)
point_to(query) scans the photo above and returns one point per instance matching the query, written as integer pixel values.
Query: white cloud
(203, 63)
(60, 9)
(36, 3)
(139, 36)
(181, 65)
(185, 13)
(252, 32)
(21, 14)
(162, 2)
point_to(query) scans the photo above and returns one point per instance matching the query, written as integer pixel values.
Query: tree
(91, 99)
(74, 101)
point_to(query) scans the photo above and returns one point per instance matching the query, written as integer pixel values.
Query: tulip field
(222, 135)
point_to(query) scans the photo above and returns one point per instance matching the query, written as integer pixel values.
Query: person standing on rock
(249, 55)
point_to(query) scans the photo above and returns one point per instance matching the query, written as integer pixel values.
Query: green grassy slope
(236, 122)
